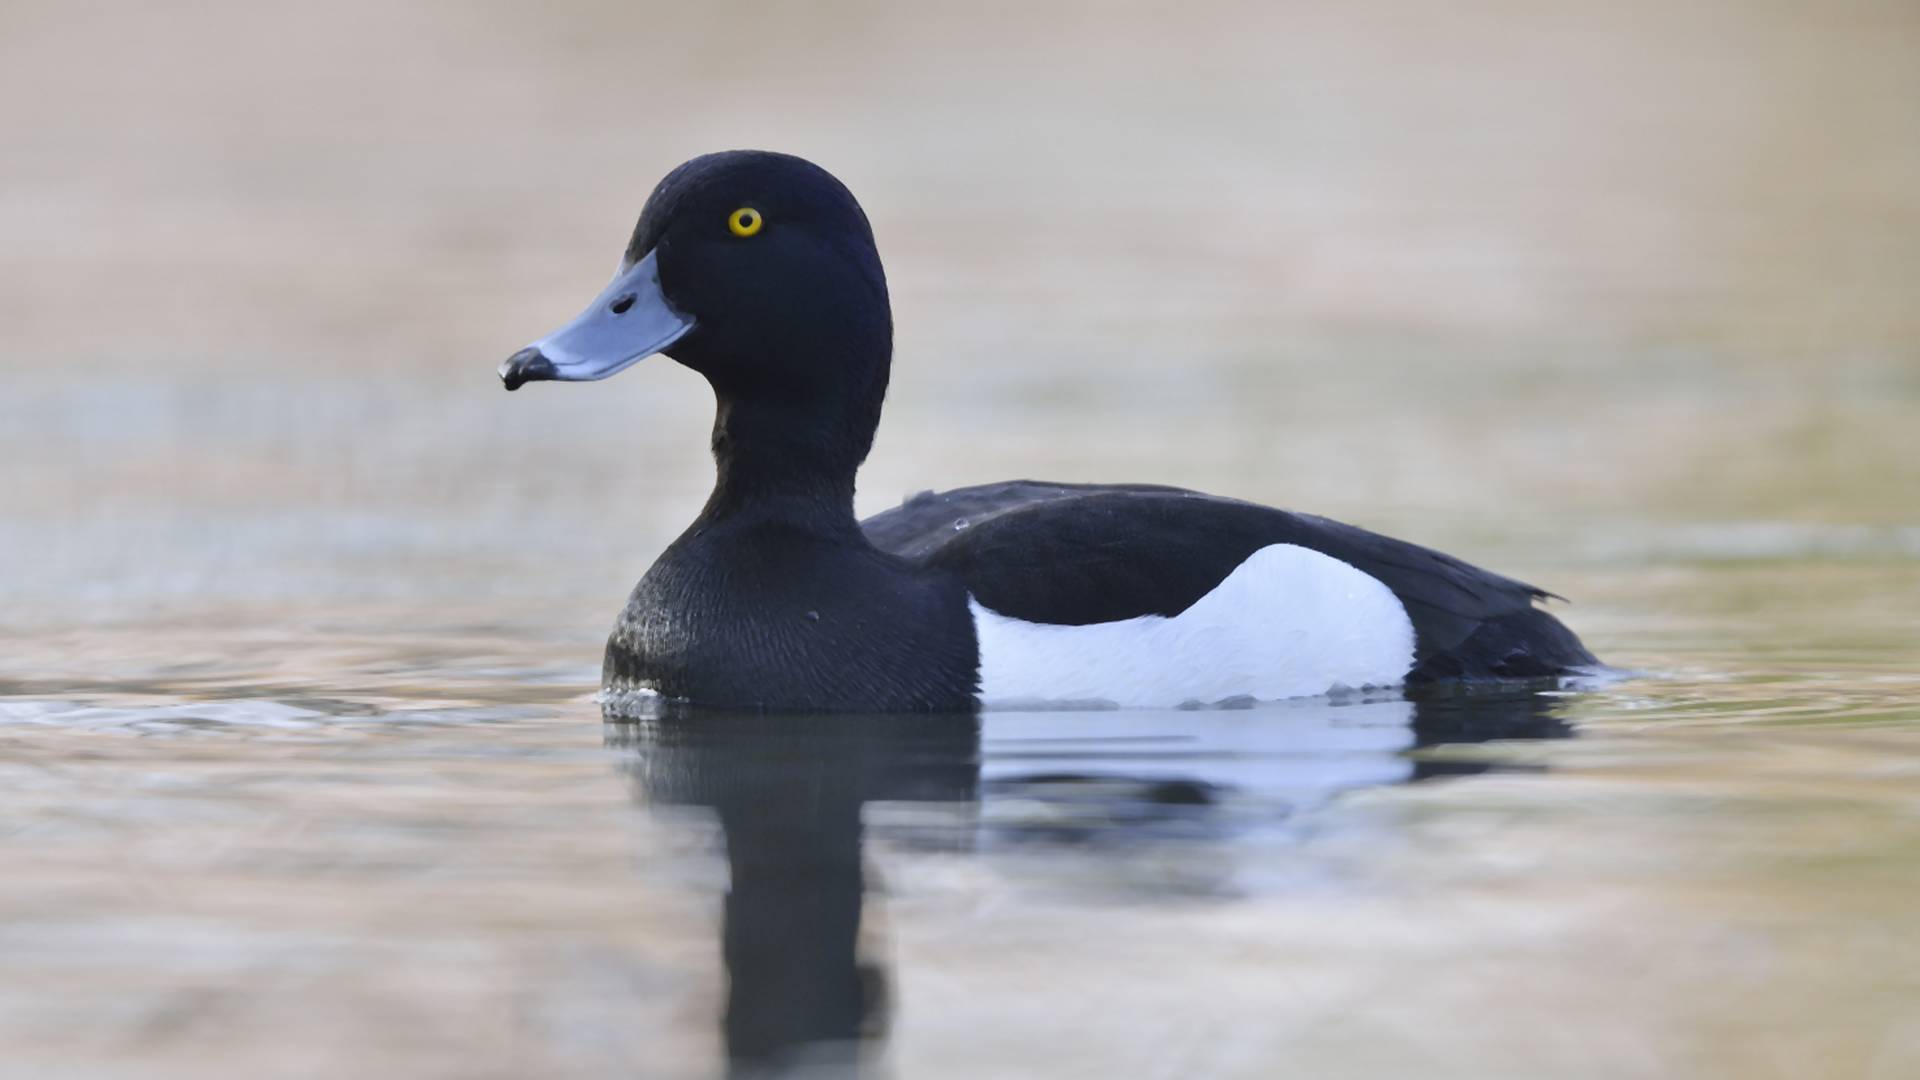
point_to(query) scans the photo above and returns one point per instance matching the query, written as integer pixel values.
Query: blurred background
(1593, 275)
(1617, 297)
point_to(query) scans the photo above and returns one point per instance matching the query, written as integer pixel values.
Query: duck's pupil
(620, 306)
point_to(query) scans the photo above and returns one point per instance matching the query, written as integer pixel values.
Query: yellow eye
(745, 221)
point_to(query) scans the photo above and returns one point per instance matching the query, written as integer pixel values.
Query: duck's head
(757, 270)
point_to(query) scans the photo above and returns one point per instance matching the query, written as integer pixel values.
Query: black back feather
(1088, 553)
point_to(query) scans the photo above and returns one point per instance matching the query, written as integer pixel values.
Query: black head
(759, 271)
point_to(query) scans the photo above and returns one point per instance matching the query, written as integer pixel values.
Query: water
(301, 615)
(1707, 870)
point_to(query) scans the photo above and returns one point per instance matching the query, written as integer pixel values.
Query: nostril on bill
(620, 306)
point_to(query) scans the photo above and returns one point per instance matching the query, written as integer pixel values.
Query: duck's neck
(773, 463)
(790, 430)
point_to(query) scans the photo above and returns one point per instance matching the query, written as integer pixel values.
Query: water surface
(335, 863)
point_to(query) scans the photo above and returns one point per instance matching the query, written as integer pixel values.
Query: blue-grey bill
(629, 321)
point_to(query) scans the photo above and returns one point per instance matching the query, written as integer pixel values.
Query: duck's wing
(1077, 554)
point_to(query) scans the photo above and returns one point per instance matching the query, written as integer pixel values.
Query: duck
(760, 272)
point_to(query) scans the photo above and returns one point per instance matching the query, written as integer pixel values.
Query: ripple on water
(243, 717)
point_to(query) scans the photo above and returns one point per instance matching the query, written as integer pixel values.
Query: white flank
(1288, 622)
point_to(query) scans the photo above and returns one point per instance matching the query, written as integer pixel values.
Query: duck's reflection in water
(803, 995)
(807, 983)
